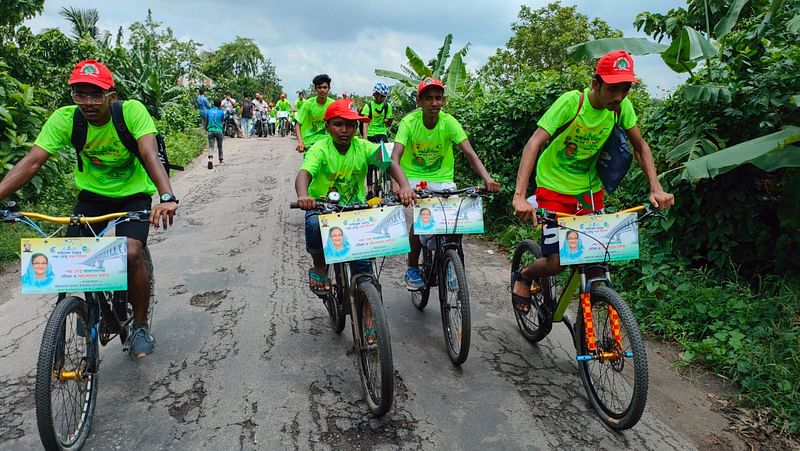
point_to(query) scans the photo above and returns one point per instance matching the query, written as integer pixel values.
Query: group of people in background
(244, 116)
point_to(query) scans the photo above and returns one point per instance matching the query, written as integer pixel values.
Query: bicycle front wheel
(454, 300)
(420, 297)
(374, 349)
(615, 378)
(333, 302)
(536, 323)
(66, 393)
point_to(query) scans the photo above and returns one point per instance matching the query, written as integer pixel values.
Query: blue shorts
(314, 243)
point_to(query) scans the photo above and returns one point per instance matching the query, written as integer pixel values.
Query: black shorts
(91, 204)
(378, 138)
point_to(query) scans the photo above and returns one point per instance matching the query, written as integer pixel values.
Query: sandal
(521, 304)
(321, 278)
(369, 335)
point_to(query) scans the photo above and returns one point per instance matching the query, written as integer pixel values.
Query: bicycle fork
(591, 340)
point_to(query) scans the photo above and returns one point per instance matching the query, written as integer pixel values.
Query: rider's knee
(553, 265)
(135, 251)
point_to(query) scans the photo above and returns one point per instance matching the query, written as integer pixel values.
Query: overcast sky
(349, 39)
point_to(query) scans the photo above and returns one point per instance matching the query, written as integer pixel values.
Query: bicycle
(68, 361)
(610, 349)
(283, 123)
(357, 295)
(443, 259)
(378, 181)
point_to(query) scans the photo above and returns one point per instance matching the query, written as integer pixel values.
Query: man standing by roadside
(247, 115)
(311, 117)
(203, 105)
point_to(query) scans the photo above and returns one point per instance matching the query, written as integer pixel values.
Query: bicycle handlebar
(329, 207)
(472, 191)
(13, 216)
(552, 217)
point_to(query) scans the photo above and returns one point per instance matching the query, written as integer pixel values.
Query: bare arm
(162, 213)
(301, 183)
(658, 197)
(405, 191)
(299, 131)
(23, 171)
(477, 166)
(522, 209)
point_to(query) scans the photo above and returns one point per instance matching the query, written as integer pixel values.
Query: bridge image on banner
(117, 249)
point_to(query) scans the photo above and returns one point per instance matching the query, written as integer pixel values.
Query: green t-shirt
(567, 165)
(298, 103)
(330, 169)
(380, 113)
(312, 120)
(109, 169)
(428, 154)
(283, 105)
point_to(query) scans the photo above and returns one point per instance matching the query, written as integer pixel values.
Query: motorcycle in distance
(261, 125)
(229, 127)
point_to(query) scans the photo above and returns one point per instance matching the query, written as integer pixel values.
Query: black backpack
(80, 128)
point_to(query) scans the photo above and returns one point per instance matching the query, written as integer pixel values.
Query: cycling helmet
(381, 89)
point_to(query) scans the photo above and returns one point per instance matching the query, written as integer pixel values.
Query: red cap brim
(621, 78)
(349, 117)
(90, 81)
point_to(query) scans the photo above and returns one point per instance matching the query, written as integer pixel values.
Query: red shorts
(563, 203)
(580, 204)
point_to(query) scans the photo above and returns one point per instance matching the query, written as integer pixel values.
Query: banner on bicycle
(363, 234)
(446, 216)
(283, 114)
(382, 157)
(598, 238)
(69, 265)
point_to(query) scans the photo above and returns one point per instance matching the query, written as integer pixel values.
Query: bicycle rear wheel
(537, 322)
(454, 302)
(420, 297)
(374, 351)
(617, 382)
(333, 302)
(66, 394)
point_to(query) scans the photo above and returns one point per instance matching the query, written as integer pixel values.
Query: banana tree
(453, 75)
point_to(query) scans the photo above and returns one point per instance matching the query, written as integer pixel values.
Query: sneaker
(140, 342)
(452, 281)
(413, 279)
(210, 164)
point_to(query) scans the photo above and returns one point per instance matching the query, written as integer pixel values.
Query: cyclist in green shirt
(337, 162)
(566, 176)
(112, 179)
(310, 119)
(376, 130)
(286, 107)
(423, 149)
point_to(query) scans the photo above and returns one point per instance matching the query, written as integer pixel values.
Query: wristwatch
(169, 197)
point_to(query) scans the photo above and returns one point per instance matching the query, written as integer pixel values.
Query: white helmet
(381, 89)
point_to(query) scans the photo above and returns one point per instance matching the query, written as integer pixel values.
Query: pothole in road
(16, 396)
(209, 300)
(348, 424)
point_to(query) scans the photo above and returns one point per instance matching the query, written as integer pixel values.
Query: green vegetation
(719, 276)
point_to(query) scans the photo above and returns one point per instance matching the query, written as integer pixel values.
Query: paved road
(246, 360)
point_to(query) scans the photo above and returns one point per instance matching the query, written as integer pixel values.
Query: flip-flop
(521, 304)
(321, 278)
(369, 335)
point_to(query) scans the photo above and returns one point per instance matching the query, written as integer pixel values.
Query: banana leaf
(727, 23)
(416, 63)
(794, 25)
(599, 47)
(686, 49)
(441, 57)
(769, 152)
(456, 76)
(405, 79)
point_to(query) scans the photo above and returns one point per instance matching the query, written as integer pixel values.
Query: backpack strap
(80, 128)
(566, 126)
(122, 130)
(370, 111)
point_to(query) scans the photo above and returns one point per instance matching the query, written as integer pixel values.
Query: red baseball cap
(428, 82)
(344, 109)
(92, 72)
(616, 67)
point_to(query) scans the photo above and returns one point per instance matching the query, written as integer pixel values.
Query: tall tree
(541, 38)
(83, 21)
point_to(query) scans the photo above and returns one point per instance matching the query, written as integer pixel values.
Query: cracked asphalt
(245, 358)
